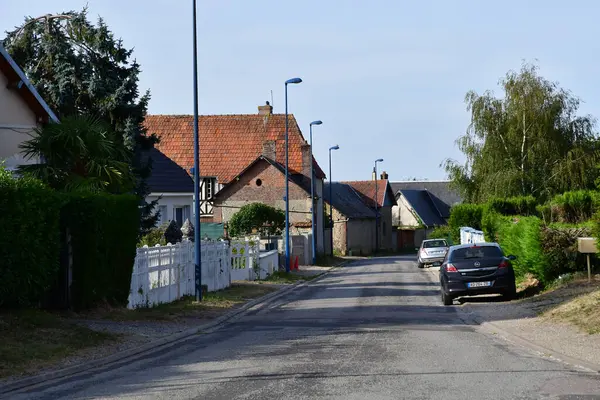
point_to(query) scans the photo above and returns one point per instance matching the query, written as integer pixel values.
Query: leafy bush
(103, 230)
(29, 240)
(442, 232)
(559, 245)
(574, 207)
(173, 233)
(464, 215)
(521, 236)
(544, 211)
(524, 205)
(154, 237)
(256, 216)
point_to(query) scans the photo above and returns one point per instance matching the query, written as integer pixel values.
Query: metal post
(287, 189)
(197, 240)
(312, 202)
(330, 203)
(589, 269)
(376, 213)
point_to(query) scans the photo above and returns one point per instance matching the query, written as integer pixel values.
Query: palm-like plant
(79, 154)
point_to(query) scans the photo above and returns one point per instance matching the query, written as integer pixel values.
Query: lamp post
(312, 196)
(376, 206)
(197, 244)
(336, 147)
(287, 182)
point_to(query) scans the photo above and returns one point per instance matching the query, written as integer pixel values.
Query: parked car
(432, 252)
(474, 269)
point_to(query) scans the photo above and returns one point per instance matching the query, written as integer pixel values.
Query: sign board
(587, 245)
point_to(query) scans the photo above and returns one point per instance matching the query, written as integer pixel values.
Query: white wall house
(22, 110)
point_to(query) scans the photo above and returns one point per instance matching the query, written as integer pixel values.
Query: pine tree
(81, 68)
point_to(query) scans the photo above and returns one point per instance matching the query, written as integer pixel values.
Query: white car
(432, 252)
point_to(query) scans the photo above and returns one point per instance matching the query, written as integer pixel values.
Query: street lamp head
(379, 160)
(293, 80)
(318, 122)
(336, 147)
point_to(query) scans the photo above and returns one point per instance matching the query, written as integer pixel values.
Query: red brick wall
(271, 191)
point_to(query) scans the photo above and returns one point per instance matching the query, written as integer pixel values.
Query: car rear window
(476, 252)
(435, 243)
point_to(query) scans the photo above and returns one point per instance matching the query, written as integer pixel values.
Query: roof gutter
(27, 83)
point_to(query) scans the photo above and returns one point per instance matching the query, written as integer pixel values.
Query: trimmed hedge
(442, 232)
(29, 240)
(525, 206)
(559, 245)
(574, 207)
(103, 231)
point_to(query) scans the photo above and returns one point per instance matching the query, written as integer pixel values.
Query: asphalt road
(372, 330)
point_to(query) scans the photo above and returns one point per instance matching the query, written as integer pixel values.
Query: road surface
(373, 330)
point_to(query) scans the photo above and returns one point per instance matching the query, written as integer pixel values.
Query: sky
(387, 78)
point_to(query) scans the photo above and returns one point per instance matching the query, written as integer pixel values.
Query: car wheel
(446, 298)
(509, 295)
(420, 265)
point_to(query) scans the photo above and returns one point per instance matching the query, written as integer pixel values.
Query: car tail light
(504, 264)
(451, 268)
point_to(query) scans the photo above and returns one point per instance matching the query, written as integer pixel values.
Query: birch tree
(530, 142)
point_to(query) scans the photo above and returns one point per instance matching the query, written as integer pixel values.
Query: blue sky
(388, 78)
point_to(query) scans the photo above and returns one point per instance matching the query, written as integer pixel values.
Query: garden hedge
(103, 231)
(29, 240)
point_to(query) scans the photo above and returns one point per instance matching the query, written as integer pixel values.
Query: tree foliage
(257, 217)
(81, 68)
(531, 142)
(80, 153)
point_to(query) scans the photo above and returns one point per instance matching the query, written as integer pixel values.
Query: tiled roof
(228, 143)
(422, 202)
(440, 189)
(367, 189)
(167, 176)
(347, 200)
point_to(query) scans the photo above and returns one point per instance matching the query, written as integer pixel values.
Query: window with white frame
(164, 218)
(180, 214)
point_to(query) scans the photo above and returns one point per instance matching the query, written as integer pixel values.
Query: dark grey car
(474, 269)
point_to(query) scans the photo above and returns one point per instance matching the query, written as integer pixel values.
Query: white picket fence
(163, 274)
(470, 235)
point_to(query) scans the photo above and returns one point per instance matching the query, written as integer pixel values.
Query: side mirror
(512, 258)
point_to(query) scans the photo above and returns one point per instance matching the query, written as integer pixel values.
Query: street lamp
(287, 182)
(312, 196)
(336, 147)
(197, 244)
(376, 206)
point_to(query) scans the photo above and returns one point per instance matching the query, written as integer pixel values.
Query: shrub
(173, 233)
(154, 236)
(29, 240)
(464, 215)
(442, 232)
(559, 245)
(524, 205)
(103, 230)
(256, 216)
(521, 236)
(574, 207)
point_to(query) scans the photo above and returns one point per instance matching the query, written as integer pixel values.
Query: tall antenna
(271, 97)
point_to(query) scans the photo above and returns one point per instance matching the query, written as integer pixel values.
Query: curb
(159, 344)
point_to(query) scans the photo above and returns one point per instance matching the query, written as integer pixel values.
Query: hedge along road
(374, 329)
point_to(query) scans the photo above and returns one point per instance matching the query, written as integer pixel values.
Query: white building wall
(170, 201)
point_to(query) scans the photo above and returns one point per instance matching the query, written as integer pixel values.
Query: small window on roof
(258, 182)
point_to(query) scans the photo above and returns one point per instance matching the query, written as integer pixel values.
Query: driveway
(372, 330)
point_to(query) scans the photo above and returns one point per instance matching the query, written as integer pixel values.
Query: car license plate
(479, 284)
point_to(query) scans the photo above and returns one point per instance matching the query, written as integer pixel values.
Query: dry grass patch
(31, 339)
(582, 311)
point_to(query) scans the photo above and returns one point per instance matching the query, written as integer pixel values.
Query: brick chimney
(306, 160)
(267, 109)
(269, 150)
(384, 175)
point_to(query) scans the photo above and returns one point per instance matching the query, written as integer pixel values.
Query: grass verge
(32, 338)
(212, 305)
(582, 311)
(286, 278)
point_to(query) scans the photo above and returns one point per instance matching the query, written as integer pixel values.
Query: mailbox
(587, 245)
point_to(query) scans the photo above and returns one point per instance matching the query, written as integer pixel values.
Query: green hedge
(29, 240)
(442, 232)
(103, 230)
(526, 206)
(559, 245)
(522, 237)
(574, 207)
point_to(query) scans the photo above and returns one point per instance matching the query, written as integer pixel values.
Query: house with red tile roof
(246, 148)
